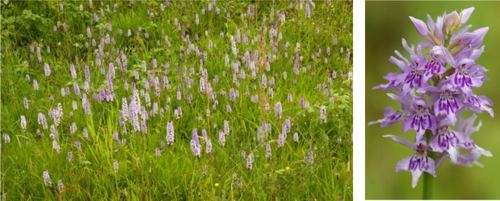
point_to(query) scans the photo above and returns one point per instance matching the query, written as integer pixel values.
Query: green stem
(428, 178)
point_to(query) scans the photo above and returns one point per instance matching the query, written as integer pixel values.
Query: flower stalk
(428, 179)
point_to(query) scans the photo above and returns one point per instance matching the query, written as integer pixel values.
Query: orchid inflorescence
(434, 90)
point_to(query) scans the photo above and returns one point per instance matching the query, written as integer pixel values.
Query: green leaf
(85, 163)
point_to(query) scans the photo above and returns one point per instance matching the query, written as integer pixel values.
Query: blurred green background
(386, 24)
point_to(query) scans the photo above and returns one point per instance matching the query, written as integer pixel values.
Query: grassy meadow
(159, 100)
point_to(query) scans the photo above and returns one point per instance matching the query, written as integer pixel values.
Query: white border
(359, 100)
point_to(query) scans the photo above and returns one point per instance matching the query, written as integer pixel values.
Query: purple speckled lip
(447, 140)
(447, 103)
(420, 162)
(462, 78)
(415, 78)
(434, 66)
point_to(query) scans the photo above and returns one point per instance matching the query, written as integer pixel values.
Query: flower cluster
(435, 89)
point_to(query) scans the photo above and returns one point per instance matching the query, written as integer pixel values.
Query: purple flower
(269, 153)
(35, 84)
(453, 20)
(322, 115)
(115, 165)
(260, 134)
(250, 161)
(479, 103)
(47, 69)
(418, 114)
(158, 152)
(73, 71)
(115, 138)
(446, 139)
(277, 110)
(78, 145)
(25, 100)
(448, 92)
(226, 127)
(85, 133)
(435, 32)
(222, 138)
(281, 140)
(208, 147)
(465, 128)
(412, 74)
(86, 105)
(46, 178)
(443, 98)
(390, 117)
(144, 127)
(76, 88)
(419, 118)
(53, 132)
(464, 76)
(232, 95)
(6, 138)
(436, 65)
(23, 123)
(416, 164)
(195, 144)
(72, 128)
(309, 158)
(251, 12)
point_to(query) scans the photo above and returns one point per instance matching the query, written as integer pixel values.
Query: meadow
(166, 100)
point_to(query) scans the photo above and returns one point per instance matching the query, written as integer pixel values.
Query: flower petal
(431, 166)
(439, 29)
(453, 154)
(480, 33)
(390, 117)
(403, 164)
(449, 58)
(459, 34)
(415, 176)
(465, 126)
(476, 53)
(400, 140)
(465, 14)
(401, 64)
(420, 25)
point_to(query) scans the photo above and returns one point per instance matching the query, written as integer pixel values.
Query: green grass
(176, 174)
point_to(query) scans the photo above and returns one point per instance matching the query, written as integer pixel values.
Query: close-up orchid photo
(437, 69)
